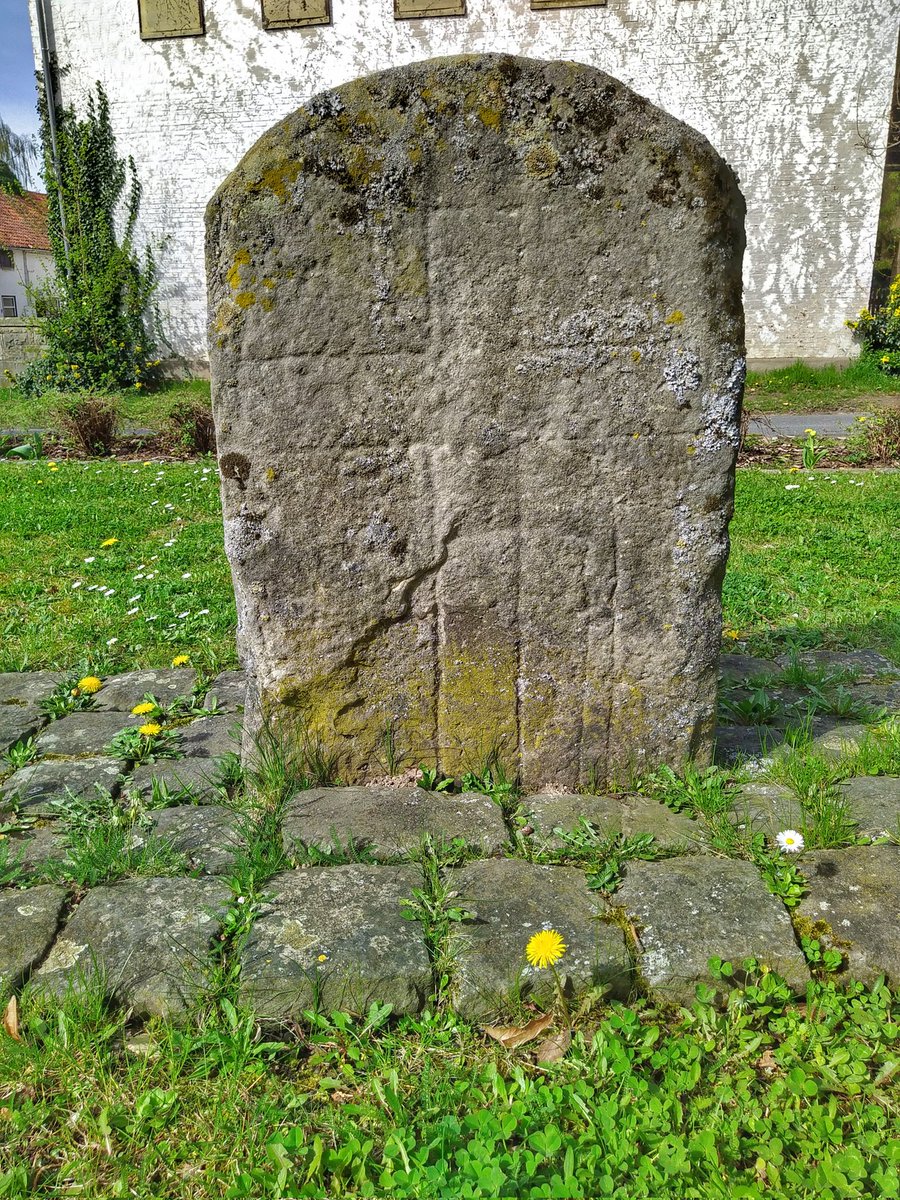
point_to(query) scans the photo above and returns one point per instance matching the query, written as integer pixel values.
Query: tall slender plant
(96, 314)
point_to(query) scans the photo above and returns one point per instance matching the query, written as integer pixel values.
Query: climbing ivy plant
(96, 315)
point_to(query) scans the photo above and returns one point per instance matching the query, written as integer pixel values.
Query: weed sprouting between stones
(20, 755)
(436, 907)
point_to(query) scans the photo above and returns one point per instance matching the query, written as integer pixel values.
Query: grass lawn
(825, 389)
(147, 410)
(814, 562)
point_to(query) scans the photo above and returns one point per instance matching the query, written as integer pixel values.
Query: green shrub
(876, 440)
(879, 332)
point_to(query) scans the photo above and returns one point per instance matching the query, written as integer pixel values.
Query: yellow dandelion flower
(54, 467)
(545, 948)
(732, 633)
(151, 729)
(109, 542)
(90, 684)
(141, 710)
(181, 660)
(812, 431)
(323, 958)
(885, 358)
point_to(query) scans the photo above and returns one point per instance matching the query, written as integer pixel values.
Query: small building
(25, 255)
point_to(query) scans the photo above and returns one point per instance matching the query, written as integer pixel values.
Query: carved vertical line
(614, 635)
(518, 631)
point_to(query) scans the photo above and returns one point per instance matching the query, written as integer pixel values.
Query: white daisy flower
(790, 841)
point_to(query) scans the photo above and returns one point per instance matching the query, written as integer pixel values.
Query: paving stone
(40, 783)
(865, 664)
(856, 892)
(742, 742)
(39, 846)
(874, 803)
(735, 667)
(834, 738)
(229, 690)
(688, 910)
(147, 939)
(767, 808)
(29, 919)
(27, 687)
(19, 722)
(336, 938)
(510, 900)
(208, 836)
(879, 695)
(120, 693)
(192, 778)
(210, 737)
(623, 814)
(390, 822)
(83, 733)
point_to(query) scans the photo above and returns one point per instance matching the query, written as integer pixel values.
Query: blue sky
(17, 94)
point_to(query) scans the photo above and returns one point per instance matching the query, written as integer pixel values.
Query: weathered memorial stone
(476, 338)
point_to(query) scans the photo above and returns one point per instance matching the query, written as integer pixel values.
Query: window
(7, 262)
(9, 307)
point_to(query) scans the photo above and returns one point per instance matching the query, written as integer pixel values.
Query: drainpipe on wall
(50, 96)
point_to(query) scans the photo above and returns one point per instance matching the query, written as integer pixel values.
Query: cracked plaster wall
(793, 93)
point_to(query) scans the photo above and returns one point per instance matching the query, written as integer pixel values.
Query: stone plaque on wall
(408, 9)
(171, 19)
(539, 5)
(477, 356)
(293, 14)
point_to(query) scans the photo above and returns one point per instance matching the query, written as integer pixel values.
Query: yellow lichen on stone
(636, 356)
(476, 705)
(277, 179)
(675, 318)
(245, 299)
(541, 161)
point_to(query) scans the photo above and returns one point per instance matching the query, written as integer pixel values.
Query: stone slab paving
(192, 778)
(19, 722)
(146, 941)
(27, 687)
(835, 738)
(865, 665)
(28, 923)
(767, 808)
(229, 691)
(35, 787)
(625, 814)
(688, 910)
(874, 803)
(509, 901)
(737, 667)
(209, 837)
(210, 737)
(120, 693)
(856, 892)
(390, 823)
(336, 937)
(37, 847)
(83, 733)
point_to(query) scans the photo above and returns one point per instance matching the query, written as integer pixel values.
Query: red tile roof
(23, 221)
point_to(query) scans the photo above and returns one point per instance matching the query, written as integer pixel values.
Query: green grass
(51, 521)
(761, 1100)
(799, 388)
(147, 409)
(816, 565)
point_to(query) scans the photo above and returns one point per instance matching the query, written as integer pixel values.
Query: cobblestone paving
(349, 865)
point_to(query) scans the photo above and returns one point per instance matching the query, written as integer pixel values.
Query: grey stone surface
(18, 722)
(736, 743)
(120, 693)
(834, 738)
(36, 786)
(40, 845)
(874, 803)
(768, 808)
(84, 733)
(148, 940)
(688, 910)
(210, 737)
(856, 894)
(335, 937)
(28, 924)
(515, 291)
(229, 690)
(208, 836)
(509, 901)
(192, 778)
(391, 822)
(26, 687)
(865, 665)
(879, 695)
(621, 814)
(735, 667)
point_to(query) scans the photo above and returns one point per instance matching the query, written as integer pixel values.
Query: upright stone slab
(476, 338)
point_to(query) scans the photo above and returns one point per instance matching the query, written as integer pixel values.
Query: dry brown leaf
(553, 1048)
(512, 1036)
(766, 1061)
(11, 1019)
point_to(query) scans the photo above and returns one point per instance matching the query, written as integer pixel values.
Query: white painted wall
(793, 93)
(29, 268)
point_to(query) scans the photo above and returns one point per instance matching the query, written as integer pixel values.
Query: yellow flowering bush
(879, 331)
